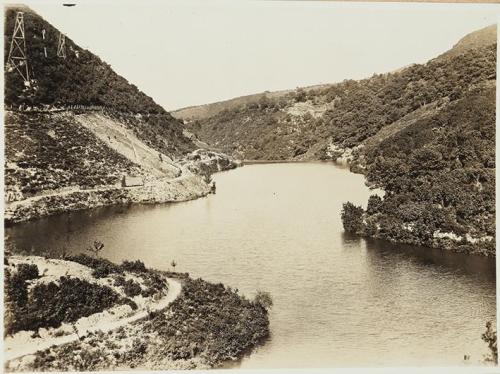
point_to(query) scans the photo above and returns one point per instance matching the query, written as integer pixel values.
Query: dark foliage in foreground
(51, 304)
(153, 281)
(101, 267)
(15, 288)
(132, 288)
(133, 266)
(211, 321)
(68, 299)
(108, 266)
(207, 324)
(490, 337)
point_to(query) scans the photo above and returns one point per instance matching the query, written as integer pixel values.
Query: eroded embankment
(64, 161)
(187, 187)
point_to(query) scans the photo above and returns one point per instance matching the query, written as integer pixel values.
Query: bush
(211, 321)
(352, 217)
(132, 288)
(119, 281)
(490, 337)
(154, 283)
(101, 271)
(129, 302)
(263, 299)
(133, 266)
(16, 287)
(374, 204)
(28, 271)
(101, 266)
(51, 304)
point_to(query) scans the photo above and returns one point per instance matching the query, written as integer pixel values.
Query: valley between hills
(81, 140)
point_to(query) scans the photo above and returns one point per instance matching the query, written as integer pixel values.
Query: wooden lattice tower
(61, 46)
(18, 59)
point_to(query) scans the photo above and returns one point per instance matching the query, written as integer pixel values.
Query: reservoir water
(338, 300)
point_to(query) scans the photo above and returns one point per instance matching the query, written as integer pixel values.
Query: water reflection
(338, 300)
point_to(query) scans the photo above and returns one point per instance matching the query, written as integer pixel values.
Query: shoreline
(194, 182)
(171, 329)
(186, 188)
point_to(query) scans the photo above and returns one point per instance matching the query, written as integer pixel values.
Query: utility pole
(18, 59)
(61, 46)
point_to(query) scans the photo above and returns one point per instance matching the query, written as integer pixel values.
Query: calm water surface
(338, 300)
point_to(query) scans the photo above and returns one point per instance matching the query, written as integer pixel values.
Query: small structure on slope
(131, 181)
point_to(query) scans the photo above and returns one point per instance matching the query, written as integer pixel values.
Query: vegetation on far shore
(424, 134)
(439, 181)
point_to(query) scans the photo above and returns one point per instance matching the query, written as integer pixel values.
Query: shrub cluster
(101, 266)
(67, 154)
(210, 321)
(439, 175)
(16, 287)
(136, 266)
(154, 283)
(132, 288)
(50, 304)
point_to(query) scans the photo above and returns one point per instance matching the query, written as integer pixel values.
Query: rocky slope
(421, 125)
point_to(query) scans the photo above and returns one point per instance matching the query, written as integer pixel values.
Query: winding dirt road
(16, 348)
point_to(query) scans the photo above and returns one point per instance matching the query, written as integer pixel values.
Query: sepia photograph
(218, 184)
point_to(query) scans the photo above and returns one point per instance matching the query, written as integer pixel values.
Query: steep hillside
(303, 123)
(439, 177)
(79, 135)
(84, 79)
(389, 127)
(474, 40)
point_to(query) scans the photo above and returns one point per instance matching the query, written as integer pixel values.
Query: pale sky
(186, 52)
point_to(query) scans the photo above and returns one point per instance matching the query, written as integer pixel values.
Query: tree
(264, 299)
(352, 217)
(98, 247)
(374, 204)
(490, 337)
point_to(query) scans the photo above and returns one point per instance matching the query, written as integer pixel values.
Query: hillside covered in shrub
(425, 134)
(67, 154)
(81, 79)
(78, 126)
(306, 121)
(439, 178)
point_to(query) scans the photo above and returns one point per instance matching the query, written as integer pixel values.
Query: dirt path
(16, 349)
(69, 191)
(66, 191)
